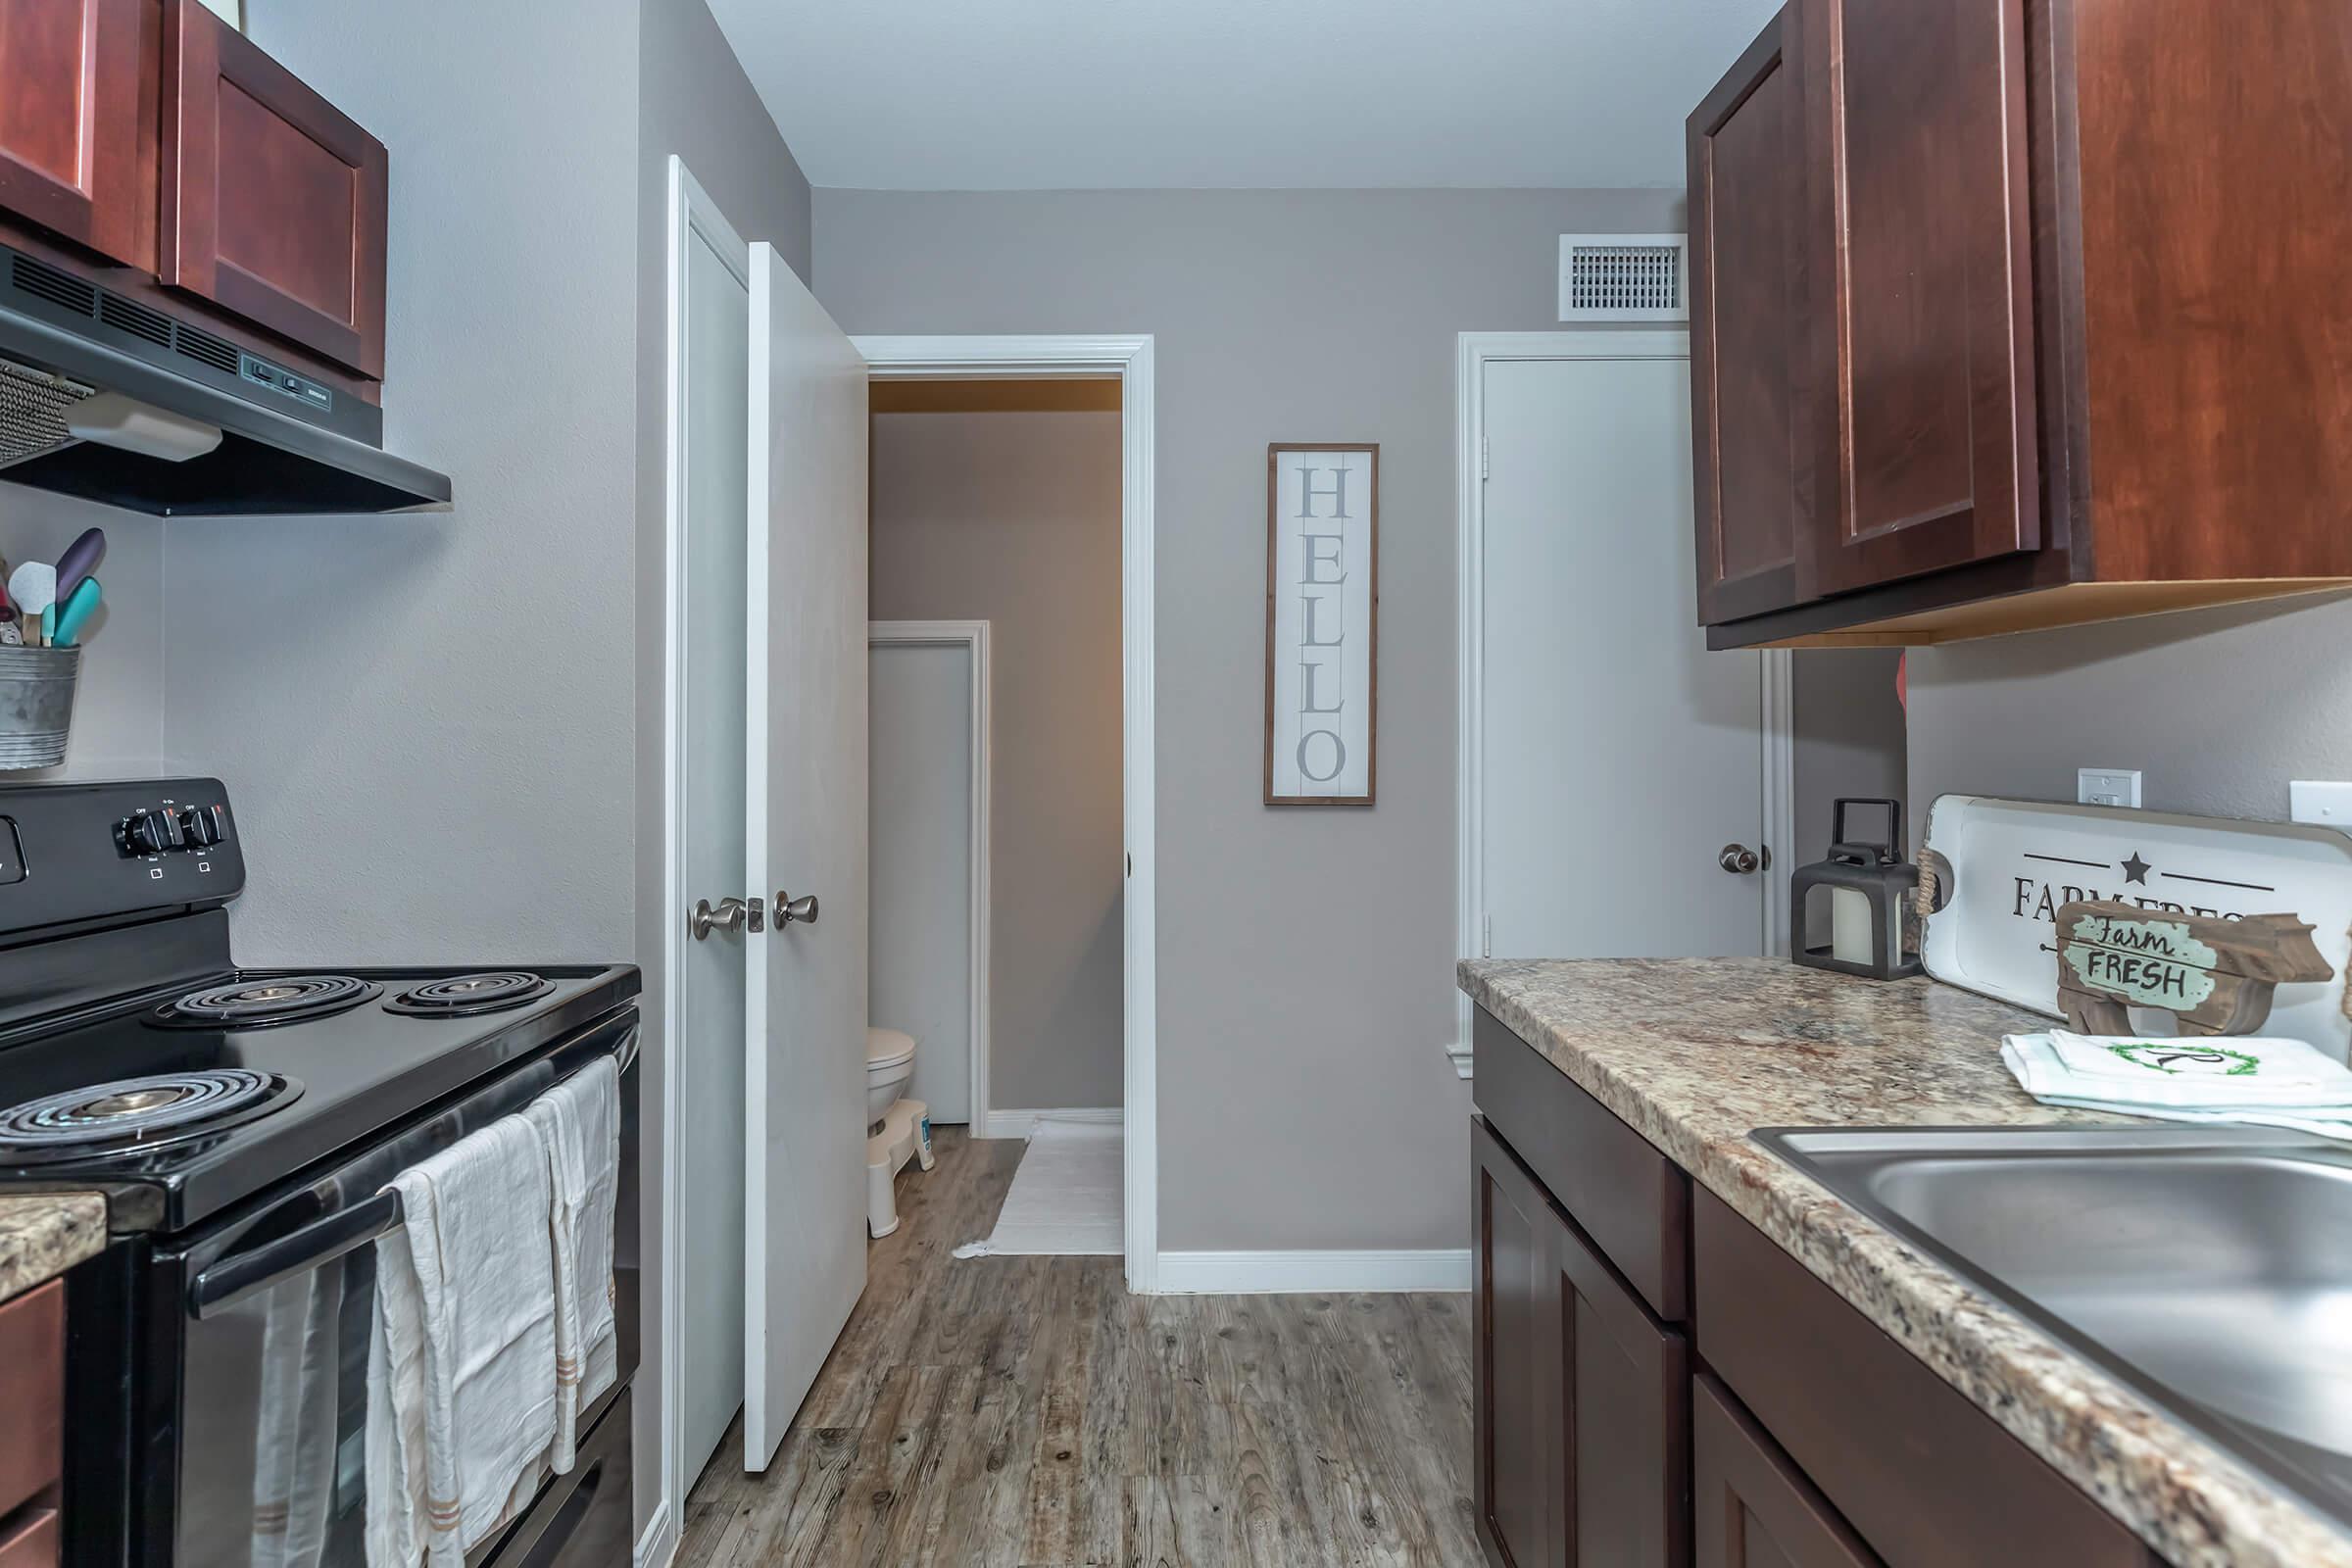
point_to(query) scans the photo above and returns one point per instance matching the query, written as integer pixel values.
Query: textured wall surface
(2220, 708)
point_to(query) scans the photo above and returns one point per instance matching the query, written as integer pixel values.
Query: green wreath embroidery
(2165, 1052)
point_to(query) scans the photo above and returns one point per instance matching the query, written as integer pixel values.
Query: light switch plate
(2326, 801)
(2107, 785)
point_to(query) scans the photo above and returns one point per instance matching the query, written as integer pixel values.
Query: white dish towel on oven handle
(579, 1123)
(460, 1394)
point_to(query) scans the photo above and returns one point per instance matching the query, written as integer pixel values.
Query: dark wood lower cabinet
(1581, 1395)
(1750, 1507)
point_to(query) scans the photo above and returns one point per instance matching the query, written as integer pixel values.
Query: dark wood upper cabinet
(2066, 339)
(73, 100)
(1582, 1397)
(1747, 193)
(1920, 425)
(274, 203)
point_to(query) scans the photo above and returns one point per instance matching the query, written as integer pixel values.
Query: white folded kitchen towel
(2189, 1073)
(579, 1123)
(462, 1353)
(294, 1447)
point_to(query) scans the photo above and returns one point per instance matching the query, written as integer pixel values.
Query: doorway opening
(906, 374)
(997, 788)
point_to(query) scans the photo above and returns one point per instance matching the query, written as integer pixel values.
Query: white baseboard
(1291, 1273)
(660, 1543)
(1018, 1123)
(1457, 1052)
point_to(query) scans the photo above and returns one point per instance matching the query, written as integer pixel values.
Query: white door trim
(691, 214)
(1129, 359)
(1474, 351)
(971, 635)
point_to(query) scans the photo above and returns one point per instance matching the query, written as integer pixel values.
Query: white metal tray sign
(2015, 863)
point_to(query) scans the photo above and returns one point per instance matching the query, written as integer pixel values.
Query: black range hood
(289, 445)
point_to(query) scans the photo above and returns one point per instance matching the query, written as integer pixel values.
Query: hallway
(1027, 1412)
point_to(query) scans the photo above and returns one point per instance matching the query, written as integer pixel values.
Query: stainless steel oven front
(249, 1412)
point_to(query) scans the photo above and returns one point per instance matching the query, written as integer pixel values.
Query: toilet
(889, 1063)
(897, 1129)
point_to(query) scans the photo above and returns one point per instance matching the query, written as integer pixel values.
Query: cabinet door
(1517, 1393)
(1753, 1508)
(1581, 1397)
(73, 98)
(1920, 404)
(1747, 193)
(274, 203)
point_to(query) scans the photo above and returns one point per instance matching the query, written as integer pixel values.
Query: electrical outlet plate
(2326, 802)
(2107, 785)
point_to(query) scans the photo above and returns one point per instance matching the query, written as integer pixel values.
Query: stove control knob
(202, 826)
(154, 832)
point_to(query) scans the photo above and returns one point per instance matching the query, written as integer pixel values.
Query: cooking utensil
(34, 586)
(79, 559)
(76, 610)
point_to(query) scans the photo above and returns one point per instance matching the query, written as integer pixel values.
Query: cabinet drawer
(275, 204)
(1582, 1398)
(32, 1392)
(1750, 1504)
(1630, 1199)
(1923, 1476)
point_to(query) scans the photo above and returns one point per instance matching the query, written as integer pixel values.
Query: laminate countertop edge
(1696, 1055)
(44, 1234)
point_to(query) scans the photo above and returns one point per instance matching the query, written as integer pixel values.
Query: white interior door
(713, 324)
(921, 816)
(804, 1061)
(1620, 756)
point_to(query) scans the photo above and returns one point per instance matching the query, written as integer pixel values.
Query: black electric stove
(241, 1123)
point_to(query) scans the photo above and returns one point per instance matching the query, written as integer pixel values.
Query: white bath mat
(1068, 1197)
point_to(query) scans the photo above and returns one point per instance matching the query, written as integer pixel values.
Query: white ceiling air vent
(1625, 278)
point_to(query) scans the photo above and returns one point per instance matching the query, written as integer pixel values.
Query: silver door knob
(790, 908)
(1741, 860)
(729, 915)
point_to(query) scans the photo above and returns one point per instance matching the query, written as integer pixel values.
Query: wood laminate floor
(1027, 1411)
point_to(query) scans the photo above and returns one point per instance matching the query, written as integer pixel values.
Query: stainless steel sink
(2209, 1269)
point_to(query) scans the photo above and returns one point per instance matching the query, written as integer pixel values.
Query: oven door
(263, 1456)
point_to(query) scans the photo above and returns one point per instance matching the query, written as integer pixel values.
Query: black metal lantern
(1867, 885)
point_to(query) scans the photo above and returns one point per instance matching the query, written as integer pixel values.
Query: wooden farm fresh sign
(2216, 974)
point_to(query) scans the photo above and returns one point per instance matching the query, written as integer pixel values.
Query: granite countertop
(44, 1234)
(1695, 1053)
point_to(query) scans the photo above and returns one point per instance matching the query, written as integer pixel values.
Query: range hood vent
(290, 444)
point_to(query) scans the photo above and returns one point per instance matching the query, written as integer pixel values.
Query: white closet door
(921, 790)
(1621, 757)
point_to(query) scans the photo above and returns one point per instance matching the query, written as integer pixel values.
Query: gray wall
(1306, 957)
(693, 100)
(1014, 518)
(2221, 708)
(419, 710)
(1850, 741)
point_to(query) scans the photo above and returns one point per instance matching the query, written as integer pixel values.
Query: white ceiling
(1080, 94)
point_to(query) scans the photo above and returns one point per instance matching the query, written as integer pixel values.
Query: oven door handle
(321, 1242)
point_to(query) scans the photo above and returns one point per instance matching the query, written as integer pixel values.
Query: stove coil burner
(465, 994)
(142, 1110)
(255, 1003)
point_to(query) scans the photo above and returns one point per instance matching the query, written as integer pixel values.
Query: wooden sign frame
(2214, 975)
(1275, 452)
